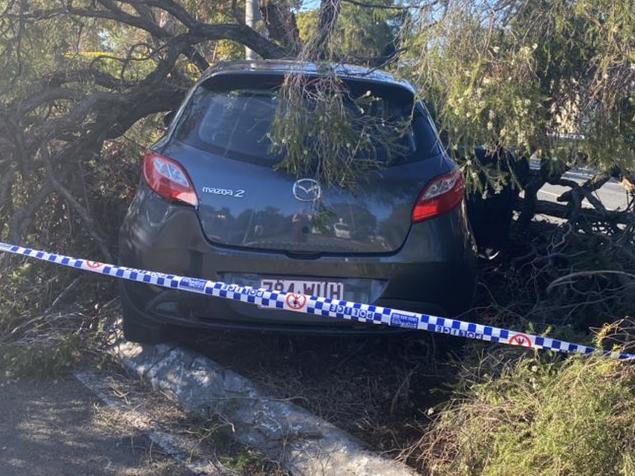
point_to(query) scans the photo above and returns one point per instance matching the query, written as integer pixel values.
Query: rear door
(222, 142)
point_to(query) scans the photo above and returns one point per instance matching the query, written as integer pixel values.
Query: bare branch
(317, 47)
(23, 217)
(91, 227)
(174, 9)
(581, 274)
(281, 23)
(390, 7)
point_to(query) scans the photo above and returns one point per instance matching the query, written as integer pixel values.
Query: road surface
(60, 428)
(612, 194)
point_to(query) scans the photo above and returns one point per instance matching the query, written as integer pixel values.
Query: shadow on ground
(375, 387)
(54, 427)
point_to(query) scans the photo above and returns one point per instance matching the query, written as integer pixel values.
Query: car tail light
(168, 179)
(440, 196)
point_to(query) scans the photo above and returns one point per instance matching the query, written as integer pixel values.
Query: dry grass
(45, 329)
(534, 416)
(210, 439)
(371, 386)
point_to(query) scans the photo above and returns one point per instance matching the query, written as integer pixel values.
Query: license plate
(328, 289)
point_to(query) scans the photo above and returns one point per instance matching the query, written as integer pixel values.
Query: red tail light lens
(440, 196)
(168, 179)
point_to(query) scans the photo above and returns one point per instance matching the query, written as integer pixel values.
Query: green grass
(251, 463)
(532, 416)
(41, 360)
(218, 433)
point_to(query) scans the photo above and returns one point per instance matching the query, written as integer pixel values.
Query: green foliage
(42, 361)
(364, 36)
(537, 417)
(42, 49)
(218, 433)
(218, 12)
(249, 462)
(526, 74)
(321, 131)
(63, 43)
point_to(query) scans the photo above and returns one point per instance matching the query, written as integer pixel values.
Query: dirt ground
(57, 428)
(380, 389)
(112, 424)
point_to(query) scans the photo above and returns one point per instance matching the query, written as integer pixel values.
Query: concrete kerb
(302, 442)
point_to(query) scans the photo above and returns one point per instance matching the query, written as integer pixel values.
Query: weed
(43, 360)
(535, 416)
(247, 462)
(45, 330)
(212, 430)
(217, 432)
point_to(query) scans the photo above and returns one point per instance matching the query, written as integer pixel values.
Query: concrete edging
(302, 442)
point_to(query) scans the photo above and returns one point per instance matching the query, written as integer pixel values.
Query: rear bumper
(433, 272)
(227, 319)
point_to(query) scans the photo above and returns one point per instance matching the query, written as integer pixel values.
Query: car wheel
(137, 328)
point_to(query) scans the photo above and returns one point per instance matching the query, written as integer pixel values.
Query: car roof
(346, 71)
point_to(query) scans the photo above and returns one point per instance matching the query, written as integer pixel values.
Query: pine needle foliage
(552, 79)
(322, 131)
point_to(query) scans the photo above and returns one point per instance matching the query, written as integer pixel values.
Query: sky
(310, 4)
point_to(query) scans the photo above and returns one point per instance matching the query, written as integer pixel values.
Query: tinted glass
(234, 118)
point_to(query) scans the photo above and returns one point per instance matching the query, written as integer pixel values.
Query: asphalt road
(612, 194)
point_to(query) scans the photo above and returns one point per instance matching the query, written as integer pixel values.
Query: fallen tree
(53, 120)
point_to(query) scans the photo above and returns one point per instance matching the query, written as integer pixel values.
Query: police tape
(320, 306)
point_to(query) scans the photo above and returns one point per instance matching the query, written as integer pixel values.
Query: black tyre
(137, 328)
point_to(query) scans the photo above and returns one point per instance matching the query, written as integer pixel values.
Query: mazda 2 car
(212, 204)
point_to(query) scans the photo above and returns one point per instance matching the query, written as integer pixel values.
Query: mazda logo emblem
(307, 190)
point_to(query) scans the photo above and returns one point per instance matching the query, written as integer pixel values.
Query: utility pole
(252, 15)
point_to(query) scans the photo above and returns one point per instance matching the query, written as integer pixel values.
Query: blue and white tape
(320, 306)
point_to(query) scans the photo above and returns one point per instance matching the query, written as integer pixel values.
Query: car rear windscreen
(232, 116)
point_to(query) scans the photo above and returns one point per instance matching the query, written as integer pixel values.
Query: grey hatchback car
(211, 204)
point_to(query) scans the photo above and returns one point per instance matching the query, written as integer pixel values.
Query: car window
(230, 123)
(235, 122)
(426, 136)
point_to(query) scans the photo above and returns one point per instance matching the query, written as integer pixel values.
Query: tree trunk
(252, 15)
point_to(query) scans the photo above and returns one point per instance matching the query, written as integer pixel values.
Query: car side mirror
(167, 119)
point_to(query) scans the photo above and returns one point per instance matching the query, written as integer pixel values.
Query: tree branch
(174, 9)
(317, 48)
(91, 227)
(281, 24)
(23, 217)
(390, 7)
